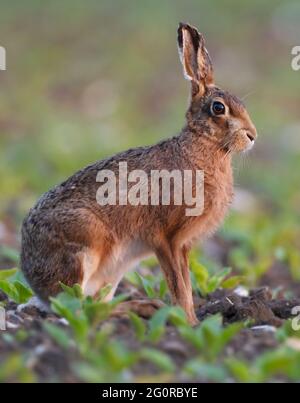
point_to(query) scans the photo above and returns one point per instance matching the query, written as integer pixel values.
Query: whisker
(248, 94)
(225, 145)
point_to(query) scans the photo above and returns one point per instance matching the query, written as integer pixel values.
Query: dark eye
(218, 108)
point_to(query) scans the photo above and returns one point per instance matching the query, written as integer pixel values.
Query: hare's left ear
(197, 65)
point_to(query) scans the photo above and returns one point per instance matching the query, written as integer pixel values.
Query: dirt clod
(259, 307)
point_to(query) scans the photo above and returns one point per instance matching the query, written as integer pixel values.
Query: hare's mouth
(250, 139)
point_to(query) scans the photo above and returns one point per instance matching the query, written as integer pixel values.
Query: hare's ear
(197, 66)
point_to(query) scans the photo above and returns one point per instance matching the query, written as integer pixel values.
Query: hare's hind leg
(113, 265)
(48, 266)
(90, 260)
(102, 267)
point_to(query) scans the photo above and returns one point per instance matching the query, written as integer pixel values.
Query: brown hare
(71, 238)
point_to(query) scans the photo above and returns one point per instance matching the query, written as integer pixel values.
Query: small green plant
(6, 274)
(198, 367)
(139, 326)
(13, 284)
(160, 359)
(210, 337)
(157, 324)
(103, 358)
(154, 286)
(251, 269)
(83, 313)
(288, 331)
(14, 369)
(156, 327)
(206, 283)
(283, 362)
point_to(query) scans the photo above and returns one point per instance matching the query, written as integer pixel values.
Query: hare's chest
(218, 195)
(218, 198)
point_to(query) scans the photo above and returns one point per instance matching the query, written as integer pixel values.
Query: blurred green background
(86, 79)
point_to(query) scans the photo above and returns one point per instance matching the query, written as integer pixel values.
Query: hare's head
(216, 113)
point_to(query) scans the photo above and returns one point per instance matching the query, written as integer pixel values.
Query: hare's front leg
(174, 264)
(182, 256)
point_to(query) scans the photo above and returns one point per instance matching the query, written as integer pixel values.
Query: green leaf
(163, 289)
(59, 335)
(14, 369)
(224, 273)
(132, 278)
(240, 370)
(215, 282)
(19, 276)
(212, 284)
(177, 316)
(78, 293)
(105, 291)
(74, 291)
(24, 293)
(118, 357)
(210, 337)
(287, 331)
(203, 370)
(118, 299)
(68, 300)
(5, 274)
(280, 362)
(96, 311)
(159, 358)
(201, 276)
(88, 373)
(232, 282)
(139, 326)
(9, 289)
(192, 336)
(77, 320)
(157, 324)
(150, 262)
(68, 290)
(148, 286)
(16, 291)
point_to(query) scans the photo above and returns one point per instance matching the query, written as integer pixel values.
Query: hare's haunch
(69, 237)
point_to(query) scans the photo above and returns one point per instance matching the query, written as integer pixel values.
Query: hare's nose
(251, 137)
(251, 133)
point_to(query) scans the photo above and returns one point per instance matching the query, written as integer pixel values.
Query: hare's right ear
(197, 65)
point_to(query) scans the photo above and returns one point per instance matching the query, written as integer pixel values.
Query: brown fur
(68, 237)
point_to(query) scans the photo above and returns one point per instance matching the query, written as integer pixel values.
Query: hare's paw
(35, 303)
